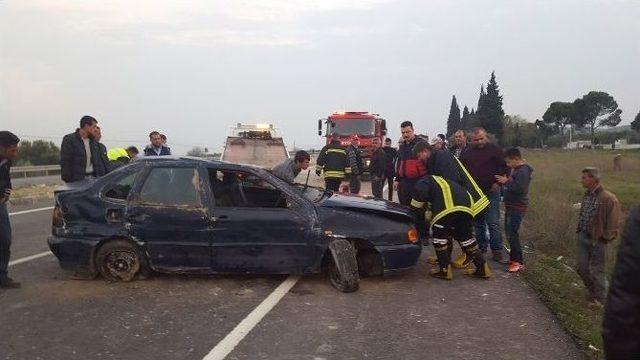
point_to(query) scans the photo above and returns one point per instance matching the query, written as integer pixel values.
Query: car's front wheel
(120, 260)
(342, 266)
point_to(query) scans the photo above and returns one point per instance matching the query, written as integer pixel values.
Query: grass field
(549, 232)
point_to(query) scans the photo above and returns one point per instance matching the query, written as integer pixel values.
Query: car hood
(367, 205)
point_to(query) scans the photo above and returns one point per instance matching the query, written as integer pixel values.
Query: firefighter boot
(472, 252)
(461, 262)
(443, 271)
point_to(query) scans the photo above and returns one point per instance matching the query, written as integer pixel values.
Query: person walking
(356, 164)
(389, 165)
(334, 162)
(516, 200)
(80, 155)
(157, 147)
(8, 152)
(485, 160)
(460, 143)
(451, 206)
(598, 225)
(377, 169)
(621, 325)
(290, 168)
(408, 168)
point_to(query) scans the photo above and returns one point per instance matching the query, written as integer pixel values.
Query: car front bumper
(399, 257)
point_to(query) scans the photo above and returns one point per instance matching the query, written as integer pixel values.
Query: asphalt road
(405, 316)
(37, 180)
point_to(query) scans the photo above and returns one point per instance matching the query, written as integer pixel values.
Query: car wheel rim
(122, 264)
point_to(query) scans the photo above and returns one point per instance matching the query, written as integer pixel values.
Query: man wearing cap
(355, 162)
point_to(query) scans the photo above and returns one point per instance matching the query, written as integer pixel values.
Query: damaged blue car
(187, 215)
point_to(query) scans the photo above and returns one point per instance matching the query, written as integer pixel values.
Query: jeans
(5, 240)
(354, 184)
(489, 218)
(512, 221)
(390, 182)
(377, 185)
(591, 262)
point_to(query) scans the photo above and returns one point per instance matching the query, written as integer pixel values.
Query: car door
(168, 214)
(258, 227)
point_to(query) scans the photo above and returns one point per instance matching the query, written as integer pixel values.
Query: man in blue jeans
(485, 161)
(8, 151)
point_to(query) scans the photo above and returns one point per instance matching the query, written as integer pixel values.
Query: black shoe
(8, 283)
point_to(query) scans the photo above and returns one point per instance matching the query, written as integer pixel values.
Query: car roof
(172, 159)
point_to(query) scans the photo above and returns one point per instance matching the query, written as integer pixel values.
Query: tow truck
(255, 144)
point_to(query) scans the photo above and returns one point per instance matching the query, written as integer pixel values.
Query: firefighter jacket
(444, 196)
(333, 160)
(444, 164)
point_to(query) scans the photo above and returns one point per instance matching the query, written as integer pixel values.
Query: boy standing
(516, 201)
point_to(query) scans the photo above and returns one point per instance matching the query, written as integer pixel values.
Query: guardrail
(33, 171)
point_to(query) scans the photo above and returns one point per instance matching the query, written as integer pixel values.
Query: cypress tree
(465, 122)
(491, 114)
(453, 122)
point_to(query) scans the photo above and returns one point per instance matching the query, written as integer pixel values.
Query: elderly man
(485, 160)
(598, 225)
(290, 168)
(460, 143)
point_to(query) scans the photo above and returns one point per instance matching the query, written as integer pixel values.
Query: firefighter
(443, 163)
(118, 157)
(334, 162)
(452, 209)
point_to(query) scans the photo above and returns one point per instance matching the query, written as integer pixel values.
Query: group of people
(82, 155)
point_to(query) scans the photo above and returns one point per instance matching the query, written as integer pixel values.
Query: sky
(193, 68)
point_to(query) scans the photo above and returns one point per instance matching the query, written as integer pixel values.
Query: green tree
(596, 109)
(559, 115)
(490, 113)
(453, 122)
(519, 132)
(465, 122)
(196, 151)
(38, 152)
(543, 131)
(635, 124)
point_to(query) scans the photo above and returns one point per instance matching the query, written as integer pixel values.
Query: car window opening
(120, 189)
(172, 186)
(242, 189)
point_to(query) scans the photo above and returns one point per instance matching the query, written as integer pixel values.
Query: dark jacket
(150, 151)
(457, 151)
(484, 164)
(408, 167)
(5, 177)
(621, 326)
(333, 160)
(377, 167)
(355, 160)
(516, 190)
(73, 158)
(443, 163)
(390, 161)
(445, 197)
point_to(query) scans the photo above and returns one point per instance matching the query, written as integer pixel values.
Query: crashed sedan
(187, 215)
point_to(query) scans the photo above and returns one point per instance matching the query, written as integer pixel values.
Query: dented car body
(185, 215)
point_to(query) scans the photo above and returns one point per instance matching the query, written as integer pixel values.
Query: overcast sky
(194, 68)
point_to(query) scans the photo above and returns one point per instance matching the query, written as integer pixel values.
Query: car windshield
(353, 126)
(311, 193)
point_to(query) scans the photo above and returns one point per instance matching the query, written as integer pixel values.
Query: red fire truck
(367, 126)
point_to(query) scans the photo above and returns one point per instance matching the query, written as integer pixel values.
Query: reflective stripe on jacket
(333, 160)
(445, 197)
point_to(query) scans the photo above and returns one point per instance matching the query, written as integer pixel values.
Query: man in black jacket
(377, 169)
(621, 326)
(390, 165)
(408, 168)
(8, 152)
(157, 147)
(80, 154)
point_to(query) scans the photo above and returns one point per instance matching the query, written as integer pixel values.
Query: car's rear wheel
(120, 260)
(342, 266)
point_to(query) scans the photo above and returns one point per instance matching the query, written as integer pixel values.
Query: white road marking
(29, 258)
(226, 346)
(30, 211)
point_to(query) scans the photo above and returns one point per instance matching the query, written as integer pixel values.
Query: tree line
(592, 111)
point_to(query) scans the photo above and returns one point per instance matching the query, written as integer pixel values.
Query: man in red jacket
(409, 169)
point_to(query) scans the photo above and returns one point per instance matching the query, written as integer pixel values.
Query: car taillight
(412, 235)
(58, 217)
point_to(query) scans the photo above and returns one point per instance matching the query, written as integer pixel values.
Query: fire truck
(367, 126)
